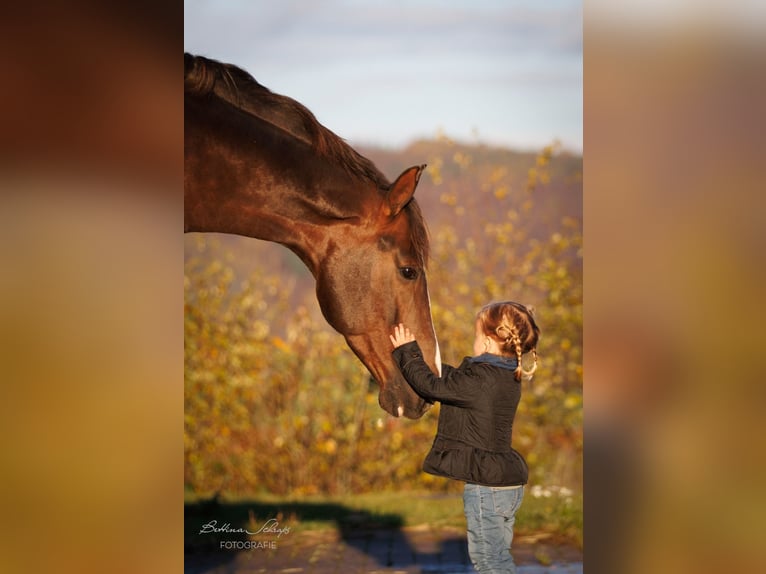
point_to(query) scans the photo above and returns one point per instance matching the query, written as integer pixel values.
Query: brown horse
(260, 165)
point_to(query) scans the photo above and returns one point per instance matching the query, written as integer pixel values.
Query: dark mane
(418, 232)
(205, 76)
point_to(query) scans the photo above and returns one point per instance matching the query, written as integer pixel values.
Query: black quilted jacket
(478, 403)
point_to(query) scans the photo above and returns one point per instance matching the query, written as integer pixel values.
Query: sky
(387, 72)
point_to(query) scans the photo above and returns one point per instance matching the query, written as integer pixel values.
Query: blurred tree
(276, 402)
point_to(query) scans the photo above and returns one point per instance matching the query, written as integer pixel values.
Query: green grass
(555, 515)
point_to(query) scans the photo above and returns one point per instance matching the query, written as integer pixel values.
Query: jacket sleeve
(454, 387)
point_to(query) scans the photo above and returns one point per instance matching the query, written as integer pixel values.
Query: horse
(260, 165)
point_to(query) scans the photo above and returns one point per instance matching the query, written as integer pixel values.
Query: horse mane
(418, 232)
(204, 76)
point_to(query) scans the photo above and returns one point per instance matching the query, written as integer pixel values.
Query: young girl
(473, 440)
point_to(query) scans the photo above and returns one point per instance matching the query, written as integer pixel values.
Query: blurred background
(93, 322)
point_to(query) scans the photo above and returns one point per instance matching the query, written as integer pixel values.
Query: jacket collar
(497, 360)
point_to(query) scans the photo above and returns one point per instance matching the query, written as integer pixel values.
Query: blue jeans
(490, 514)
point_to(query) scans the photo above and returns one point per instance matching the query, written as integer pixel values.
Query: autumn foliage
(274, 400)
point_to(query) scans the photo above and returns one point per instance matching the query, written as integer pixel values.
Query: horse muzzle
(398, 399)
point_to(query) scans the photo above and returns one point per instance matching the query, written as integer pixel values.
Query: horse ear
(401, 191)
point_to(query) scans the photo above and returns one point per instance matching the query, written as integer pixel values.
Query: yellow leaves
(527, 205)
(531, 179)
(491, 284)
(501, 192)
(462, 159)
(544, 157)
(539, 172)
(329, 446)
(280, 344)
(570, 223)
(305, 490)
(434, 168)
(572, 402)
(497, 174)
(500, 233)
(445, 237)
(448, 198)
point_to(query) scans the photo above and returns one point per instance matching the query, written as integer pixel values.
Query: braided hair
(513, 326)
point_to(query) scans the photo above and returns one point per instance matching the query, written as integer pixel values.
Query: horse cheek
(329, 305)
(358, 293)
(343, 292)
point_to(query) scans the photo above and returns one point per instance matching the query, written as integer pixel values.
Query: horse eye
(409, 273)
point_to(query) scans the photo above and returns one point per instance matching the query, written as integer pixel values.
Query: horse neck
(294, 219)
(248, 177)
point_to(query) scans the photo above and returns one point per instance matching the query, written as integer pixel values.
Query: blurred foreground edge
(674, 237)
(91, 163)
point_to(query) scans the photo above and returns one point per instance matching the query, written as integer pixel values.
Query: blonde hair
(513, 326)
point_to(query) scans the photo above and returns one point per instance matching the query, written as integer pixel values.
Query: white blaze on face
(400, 410)
(438, 357)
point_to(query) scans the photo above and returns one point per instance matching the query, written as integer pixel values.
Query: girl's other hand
(401, 336)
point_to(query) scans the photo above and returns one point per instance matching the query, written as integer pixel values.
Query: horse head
(259, 164)
(373, 278)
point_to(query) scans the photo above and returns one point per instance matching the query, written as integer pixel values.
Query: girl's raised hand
(401, 336)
